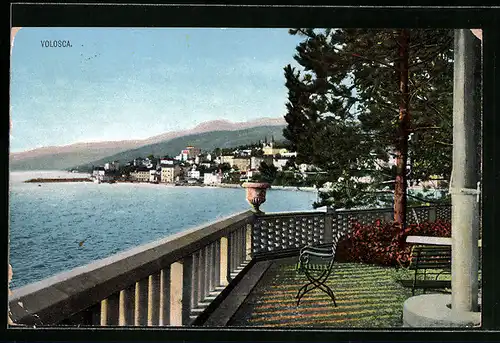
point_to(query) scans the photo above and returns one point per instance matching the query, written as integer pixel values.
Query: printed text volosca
(56, 44)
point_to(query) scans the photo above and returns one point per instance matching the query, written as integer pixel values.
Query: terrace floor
(367, 296)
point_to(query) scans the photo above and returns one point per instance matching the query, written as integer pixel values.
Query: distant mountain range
(207, 136)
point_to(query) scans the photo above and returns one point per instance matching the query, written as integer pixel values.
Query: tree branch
(376, 61)
(426, 200)
(425, 128)
(432, 55)
(442, 143)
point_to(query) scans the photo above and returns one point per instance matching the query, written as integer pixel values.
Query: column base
(433, 311)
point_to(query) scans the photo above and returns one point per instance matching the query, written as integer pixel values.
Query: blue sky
(125, 83)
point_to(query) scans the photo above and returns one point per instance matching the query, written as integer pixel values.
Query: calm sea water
(47, 222)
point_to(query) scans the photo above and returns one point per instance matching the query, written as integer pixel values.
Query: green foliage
(233, 178)
(225, 167)
(257, 153)
(267, 173)
(288, 178)
(343, 109)
(207, 141)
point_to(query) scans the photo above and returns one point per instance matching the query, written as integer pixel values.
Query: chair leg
(319, 282)
(302, 291)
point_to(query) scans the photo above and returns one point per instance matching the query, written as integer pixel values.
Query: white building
(305, 167)
(138, 162)
(141, 175)
(212, 179)
(98, 172)
(184, 155)
(209, 157)
(111, 166)
(227, 159)
(289, 154)
(169, 173)
(166, 161)
(193, 174)
(279, 163)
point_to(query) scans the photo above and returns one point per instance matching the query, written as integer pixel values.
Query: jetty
(42, 180)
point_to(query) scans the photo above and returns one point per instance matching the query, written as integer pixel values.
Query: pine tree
(360, 97)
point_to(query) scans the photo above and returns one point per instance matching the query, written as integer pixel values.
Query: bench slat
(445, 266)
(427, 284)
(423, 258)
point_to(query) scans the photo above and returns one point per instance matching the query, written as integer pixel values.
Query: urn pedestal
(256, 194)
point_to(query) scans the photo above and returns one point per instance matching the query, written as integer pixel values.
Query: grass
(368, 296)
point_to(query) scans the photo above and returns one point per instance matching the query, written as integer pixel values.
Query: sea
(55, 227)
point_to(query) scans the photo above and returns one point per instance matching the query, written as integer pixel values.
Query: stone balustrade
(171, 282)
(167, 282)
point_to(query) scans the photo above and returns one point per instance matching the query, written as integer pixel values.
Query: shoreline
(222, 185)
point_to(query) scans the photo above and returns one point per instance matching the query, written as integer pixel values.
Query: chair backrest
(431, 257)
(321, 253)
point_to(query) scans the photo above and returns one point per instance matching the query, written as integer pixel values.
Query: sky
(134, 83)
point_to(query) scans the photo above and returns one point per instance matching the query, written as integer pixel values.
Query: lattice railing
(443, 213)
(287, 230)
(278, 231)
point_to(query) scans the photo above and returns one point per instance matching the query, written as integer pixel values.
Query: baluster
(241, 246)
(95, 311)
(243, 234)
(217, 263)
(224, 261)
(229, 255)
(234, 252)
(176, 293)
(212, 264)
(127, 304)
(154, 299)
(195, 275)
(187, 267)
(206, 285)
(201, 277)
(164, 311)
(110, 310)
(141, 303)
(248, 242)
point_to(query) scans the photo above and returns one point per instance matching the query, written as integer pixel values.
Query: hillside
(61, 160)
(67, 156)
(206, 141)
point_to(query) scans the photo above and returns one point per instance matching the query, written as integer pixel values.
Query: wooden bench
(429, 260)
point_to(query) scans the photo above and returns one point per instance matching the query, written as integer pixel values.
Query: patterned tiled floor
(367, 297)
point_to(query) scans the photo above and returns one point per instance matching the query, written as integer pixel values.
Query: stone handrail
(159, 283)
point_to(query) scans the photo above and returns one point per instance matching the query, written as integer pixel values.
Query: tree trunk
(402, 139)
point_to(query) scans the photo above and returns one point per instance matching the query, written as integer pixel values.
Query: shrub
(384, 243)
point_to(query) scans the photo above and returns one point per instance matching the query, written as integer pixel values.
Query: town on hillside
(264, 161)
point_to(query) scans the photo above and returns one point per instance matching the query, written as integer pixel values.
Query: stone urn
(256, 193)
